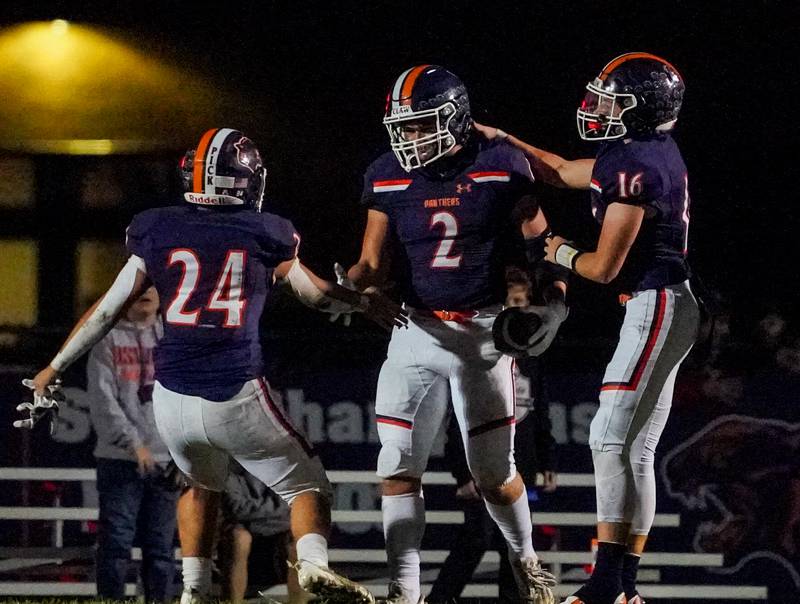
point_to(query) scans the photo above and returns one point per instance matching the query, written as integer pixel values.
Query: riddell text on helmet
(209, 200)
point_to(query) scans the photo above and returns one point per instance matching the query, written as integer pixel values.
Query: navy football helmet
(635, 94)
(224, 170)
(427, 114)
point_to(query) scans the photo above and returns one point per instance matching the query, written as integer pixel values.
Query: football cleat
(535, 584)
(191, 595)
(330, 587)
(621, 599)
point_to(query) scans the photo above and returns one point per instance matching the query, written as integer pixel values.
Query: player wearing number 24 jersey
(445, 198)
(216, 291)
(213, 261)
(639, 194)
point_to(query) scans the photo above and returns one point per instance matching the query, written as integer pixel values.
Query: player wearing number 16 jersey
(446, 199)
(639, 194)
(213, 261)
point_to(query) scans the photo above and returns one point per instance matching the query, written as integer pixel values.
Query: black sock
(605, 584)
(630, 566)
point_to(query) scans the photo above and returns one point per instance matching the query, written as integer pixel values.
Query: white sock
(514, 521)
(403, 527)
(312, 547)
(197, 574)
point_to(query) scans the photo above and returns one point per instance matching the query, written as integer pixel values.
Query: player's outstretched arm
(130, 284)
(330, 297)
(370, 268)
(548, 167)
(620, 227)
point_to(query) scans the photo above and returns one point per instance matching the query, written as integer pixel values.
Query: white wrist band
(501, 134)
(566, 255)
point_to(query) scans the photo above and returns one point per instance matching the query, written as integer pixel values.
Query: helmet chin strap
(451, 164)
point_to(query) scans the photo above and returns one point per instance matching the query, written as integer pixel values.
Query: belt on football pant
(458, 316)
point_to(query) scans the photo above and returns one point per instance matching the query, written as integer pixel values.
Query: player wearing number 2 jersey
(639, 194)
(213, 261)
(446, 199)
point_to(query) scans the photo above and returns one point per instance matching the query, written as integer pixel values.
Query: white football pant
(659, 329)
(252, 428)
(430, 363)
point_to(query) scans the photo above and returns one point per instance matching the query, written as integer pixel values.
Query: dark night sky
(316, 75)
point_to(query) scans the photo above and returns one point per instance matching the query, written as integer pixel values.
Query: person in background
(135, 496)
(254, 520)
(534, 451)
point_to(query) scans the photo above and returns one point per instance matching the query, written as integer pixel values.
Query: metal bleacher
(24, 558)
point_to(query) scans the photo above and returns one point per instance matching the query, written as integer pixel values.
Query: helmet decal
(245, 156)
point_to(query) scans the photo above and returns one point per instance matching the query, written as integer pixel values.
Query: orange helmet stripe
(408, 84)
(200, 160)
(614, 63)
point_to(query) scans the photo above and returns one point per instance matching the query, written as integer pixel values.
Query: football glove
(341, 279)
(44, 406)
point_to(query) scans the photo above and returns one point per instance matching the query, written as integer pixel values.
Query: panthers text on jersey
(455, 233)
(213, 270)
(647, 172)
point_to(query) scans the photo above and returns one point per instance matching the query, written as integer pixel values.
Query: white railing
(28, 556)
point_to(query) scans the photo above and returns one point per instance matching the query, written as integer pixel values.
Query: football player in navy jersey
(639, 193)
(213, 261)
(446, 198)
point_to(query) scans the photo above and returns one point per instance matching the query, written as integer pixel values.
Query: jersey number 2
(226, 297)
(442, 257)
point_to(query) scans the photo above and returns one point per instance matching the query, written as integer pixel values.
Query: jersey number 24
(226, 296)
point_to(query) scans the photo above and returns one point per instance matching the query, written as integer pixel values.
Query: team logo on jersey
(463, 188)
(493, 176)
(385, 186)
(442, 202)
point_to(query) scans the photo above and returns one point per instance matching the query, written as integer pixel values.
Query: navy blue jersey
(454, 233)
(648, 173)
(213, 270)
